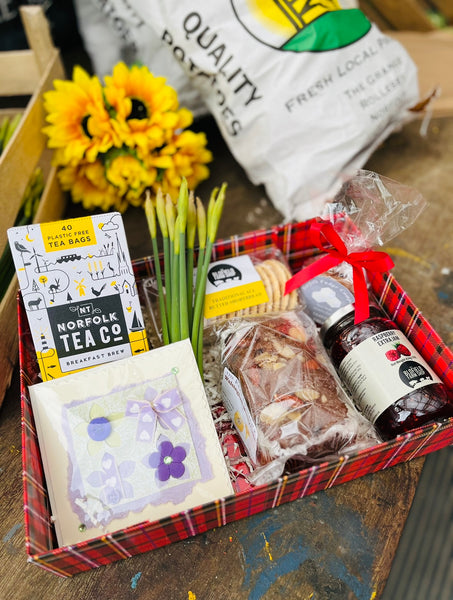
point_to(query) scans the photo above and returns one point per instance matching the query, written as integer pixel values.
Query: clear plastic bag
(284, 397)
(368, 210)
(378, 207)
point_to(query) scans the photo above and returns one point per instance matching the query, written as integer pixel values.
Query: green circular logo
(301, 26)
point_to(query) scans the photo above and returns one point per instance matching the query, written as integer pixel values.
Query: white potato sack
(302, 91)
(113, 31)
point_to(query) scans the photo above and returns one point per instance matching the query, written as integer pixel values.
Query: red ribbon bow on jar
(368, 260)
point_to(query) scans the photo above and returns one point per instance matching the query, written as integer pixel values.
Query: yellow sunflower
(128, 174)
(114, 142)
(146, 109)
(79, 122)
(189, 156)
(89, 186)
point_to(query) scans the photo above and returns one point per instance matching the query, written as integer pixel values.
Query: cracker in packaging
(248, 285)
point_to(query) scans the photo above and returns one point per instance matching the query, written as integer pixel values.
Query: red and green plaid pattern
(293, 240)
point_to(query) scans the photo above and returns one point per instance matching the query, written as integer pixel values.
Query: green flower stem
(162, 219)
(151, 218)
(197, 335)
(197, 330)
(201, 228)
(182, 310)
(175, 305)
(170, 220)
(211, 203)
(170, 213)
(167, 273)
(183, 207)
(162, 307)
(183, 313)
(189, 285)
(191, 232)
(199, 342)
(215, 209)
(214, 217)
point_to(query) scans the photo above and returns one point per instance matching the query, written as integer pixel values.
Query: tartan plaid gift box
(294, 241)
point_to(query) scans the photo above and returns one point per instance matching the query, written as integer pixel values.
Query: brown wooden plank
(52, 204)
(8, 112)
(403, 14)
(432, 52)
(445, 7)
(19, 74)
(38, 35)
(9, 343)
(30, 72)
(26, 146)
(369, 9)
(51, 208)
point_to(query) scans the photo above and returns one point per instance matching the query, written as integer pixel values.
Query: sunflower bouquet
(114, 141)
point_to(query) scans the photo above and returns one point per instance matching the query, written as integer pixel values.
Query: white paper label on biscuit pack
(239, 412)
(383, 369)
(233, 284)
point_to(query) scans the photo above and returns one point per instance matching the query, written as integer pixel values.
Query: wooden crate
(25, 73)
(406, 15)
(430, 46)
(432, 52)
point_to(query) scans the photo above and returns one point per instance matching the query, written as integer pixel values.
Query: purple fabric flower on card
(168, 461)
(112, 480)
(99, 428)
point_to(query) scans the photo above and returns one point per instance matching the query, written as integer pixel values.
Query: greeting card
(79, 292)
(128, 442)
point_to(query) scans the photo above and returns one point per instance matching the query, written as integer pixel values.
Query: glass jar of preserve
(391, 384)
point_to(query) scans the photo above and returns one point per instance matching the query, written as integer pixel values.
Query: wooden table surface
(333, 545)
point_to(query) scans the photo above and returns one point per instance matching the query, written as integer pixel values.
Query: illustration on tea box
(79, 292)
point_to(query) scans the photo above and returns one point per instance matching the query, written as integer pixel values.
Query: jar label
(323, 296)
(383, 369)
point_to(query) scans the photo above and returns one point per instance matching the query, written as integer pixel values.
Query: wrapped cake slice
(283, 396)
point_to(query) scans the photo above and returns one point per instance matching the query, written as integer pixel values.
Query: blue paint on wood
(293, 535)
(134, 580)
(273, 570)
(11, 533)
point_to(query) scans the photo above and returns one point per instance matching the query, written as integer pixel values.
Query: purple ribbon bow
(156, 408)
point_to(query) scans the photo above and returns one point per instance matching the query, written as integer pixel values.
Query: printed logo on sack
(301, 25)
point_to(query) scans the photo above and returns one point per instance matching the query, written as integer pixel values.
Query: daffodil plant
(181, 305)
